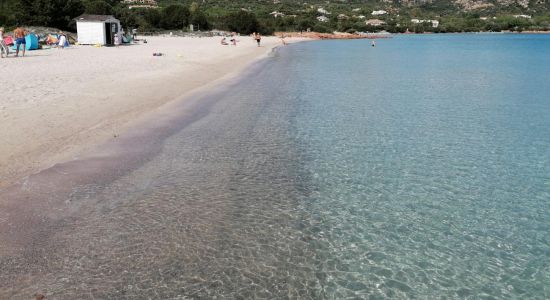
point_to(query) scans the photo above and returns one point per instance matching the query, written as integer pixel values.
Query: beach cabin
(97, 29)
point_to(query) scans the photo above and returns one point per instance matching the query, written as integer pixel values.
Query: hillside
(285, 15)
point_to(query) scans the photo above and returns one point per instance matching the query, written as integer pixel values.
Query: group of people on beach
(20, 41)
(233, 39)
(19, 34)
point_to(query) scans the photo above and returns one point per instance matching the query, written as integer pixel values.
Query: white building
(97, 29)
(435, 23)
(322, 19)
(146, 2)
(277, 14)
(323, 11)
(378, 12)
(375, 22)
(522, 16)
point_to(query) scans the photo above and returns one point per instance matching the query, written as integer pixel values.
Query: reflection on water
(364, 173)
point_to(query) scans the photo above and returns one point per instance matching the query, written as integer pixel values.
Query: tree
(243, 22)
(174, 17)
(306, 24)
(199, 20)
(55, 13)
(153, 17)
(99, 7)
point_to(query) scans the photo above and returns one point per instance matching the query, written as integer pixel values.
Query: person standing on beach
(283, 40)
(20, 33)
(62, 40)
(258, 39)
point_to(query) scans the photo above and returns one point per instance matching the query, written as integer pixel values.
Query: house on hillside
(378, 12)
(97, 29)
(435, 23)
(144, 2)
(322, 19)
(141, 3)
(375, 22)
(277, 14)
(323, 11)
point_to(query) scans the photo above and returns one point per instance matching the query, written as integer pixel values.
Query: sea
(415, 169)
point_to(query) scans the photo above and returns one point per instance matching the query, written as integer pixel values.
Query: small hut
(97, 29)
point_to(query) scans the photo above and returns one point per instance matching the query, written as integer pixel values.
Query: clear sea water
(419, 168)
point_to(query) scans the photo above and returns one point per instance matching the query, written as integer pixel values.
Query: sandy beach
(59, 103)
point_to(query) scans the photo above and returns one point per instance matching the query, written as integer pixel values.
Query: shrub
(243, 22)
(174, 17)
(98, 7)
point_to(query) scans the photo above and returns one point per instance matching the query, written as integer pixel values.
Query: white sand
(58, 103)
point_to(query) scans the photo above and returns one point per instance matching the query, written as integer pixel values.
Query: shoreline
(43, 199)
(88, 96)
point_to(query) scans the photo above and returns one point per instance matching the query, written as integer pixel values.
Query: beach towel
(8, 40)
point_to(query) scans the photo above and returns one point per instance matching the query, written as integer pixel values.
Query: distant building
(378, 12)
(322, 19)
(435, 23)
(97, 29)
(375, 22)
(323, 11)
(342, 17)
(360, 17)
(146, 2)
(141, 3)
(277, 14)
(356, 9)
(522, 16)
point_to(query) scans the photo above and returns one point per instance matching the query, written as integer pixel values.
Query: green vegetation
(246, 16)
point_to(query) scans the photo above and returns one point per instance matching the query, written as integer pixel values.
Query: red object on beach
(8, 40)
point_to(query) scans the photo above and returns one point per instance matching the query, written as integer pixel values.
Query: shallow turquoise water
(431, 161)
(416, 169)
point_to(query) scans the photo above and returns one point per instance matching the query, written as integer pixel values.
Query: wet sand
(58, 104)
